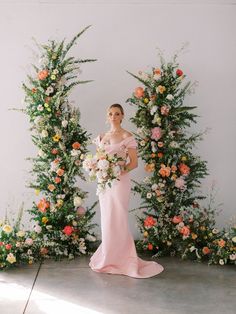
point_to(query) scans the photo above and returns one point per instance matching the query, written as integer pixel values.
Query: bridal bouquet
(103, 167)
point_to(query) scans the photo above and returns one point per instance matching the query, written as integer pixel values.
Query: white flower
(49, 90)
(75, 152)
(11, 258)
(40, 108)
(215, 231)
(154, 147)
(64, 123)
(156, 119)
(29, 252)
(154, 186)
(103, 164)
(41, 153)
(153, 110)
(55, 71)
(37, 228)
(149, 195)
(44, 133)
(170, 97)
(90, 238)
(221, 262)
(174, 144)
(142, 143)
(234, 239)
(77, 201)
(232, 257)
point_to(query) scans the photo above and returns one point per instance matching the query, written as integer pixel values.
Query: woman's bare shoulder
(127, 134)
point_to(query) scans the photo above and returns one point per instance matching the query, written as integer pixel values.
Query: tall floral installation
(62, 224)
(174, 220)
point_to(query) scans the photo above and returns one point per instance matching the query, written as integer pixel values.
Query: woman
(117, 254)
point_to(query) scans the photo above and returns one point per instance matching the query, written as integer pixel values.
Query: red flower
(68, 230)
(150, 221)
(1, 243)
(76, 145)
(177, 219)
(150, 246)
(184, 169)
(179, 72)
(185, 231)
(8, 246)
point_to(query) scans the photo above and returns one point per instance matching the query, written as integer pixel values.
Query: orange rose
(150, 246)
(33, 90)
(157, 71)
(194, 236)
(206, 250)
(184, 169)
(221, 243)
(158, 192)
(76, 145)
(60, 172)
(57, 180)
(160, 144)
(42, 75)
(149, 222)
(153, 155)
(139, 92)
(160, 155)
(43, 205)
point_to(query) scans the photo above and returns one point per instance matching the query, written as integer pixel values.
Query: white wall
(124, 36)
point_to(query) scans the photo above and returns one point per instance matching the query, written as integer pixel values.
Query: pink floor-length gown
(117, 253)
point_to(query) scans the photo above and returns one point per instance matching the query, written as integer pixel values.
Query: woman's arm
(133, 161)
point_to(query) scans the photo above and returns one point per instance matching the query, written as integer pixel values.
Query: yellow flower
(49, 109)
(146, 100)
(44, 220)
(183, 158)
(56, 138)
(20, 233)
(37, 191)
(11, 258)
(54, 56)
(53, 77)
(30, 262)
(145, 234)
(194, 236)
(203, 228)
(60, 203)
(234, 239)
(7, 228)
(46, 105)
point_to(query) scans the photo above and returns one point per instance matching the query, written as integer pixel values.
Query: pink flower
(180, 183)
(68, 230)
(179, 72)
(156, 133)
(81, 211)
(8, 246)
(165, 110)
(149, 222)
(177, 219)
(29, 241)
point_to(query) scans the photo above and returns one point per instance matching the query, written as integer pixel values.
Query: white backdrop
(124, 36)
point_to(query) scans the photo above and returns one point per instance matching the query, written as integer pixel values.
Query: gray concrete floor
(71, 287)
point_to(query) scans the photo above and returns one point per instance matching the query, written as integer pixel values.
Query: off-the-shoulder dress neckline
(100, 140)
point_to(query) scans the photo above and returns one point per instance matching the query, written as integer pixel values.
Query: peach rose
(44, 251)
(42, 75)
(149, 167)
(43, 205)
(60, 172)
(160, 155)
(57, 180)
(164, 171)
(173, 168)
(54, 151)
(206, 250)
(51, 187)
(139, 92)
(160, 144)
(177, 219)
(156, 133)
(76, 145)
(221, 243)
(157, 71)
(185, 231)
(165, 110)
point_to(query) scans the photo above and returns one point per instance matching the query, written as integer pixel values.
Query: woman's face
(114, 115)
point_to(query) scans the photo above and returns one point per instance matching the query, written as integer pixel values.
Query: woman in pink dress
(117, 253)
